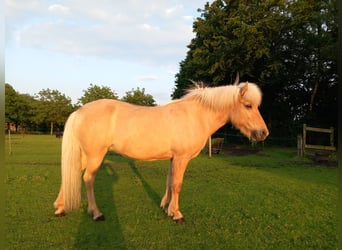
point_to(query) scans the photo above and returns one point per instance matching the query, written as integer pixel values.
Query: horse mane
(222, 97)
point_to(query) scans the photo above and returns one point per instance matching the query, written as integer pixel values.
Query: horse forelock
(253, 93)
(222, 97)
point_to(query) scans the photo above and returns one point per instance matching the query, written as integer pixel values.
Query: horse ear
(244, 89)
(237, 79)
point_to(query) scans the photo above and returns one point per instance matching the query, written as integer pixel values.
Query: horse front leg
(178, 169)
(167, 196)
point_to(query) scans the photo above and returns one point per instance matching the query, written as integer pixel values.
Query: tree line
(287, 47)
(49, 109)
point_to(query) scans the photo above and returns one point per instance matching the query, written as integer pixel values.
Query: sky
(69, 44)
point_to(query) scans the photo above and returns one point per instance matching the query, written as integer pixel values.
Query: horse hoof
(99, 218)
(62, 214)
(179, 220)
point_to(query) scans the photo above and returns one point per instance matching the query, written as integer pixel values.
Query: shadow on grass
(149, 190)
(100, 235)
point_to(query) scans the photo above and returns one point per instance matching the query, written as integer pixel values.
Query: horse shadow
(109, 230)
(97, 235)
(154, 196)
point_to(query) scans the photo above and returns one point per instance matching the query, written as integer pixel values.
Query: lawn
(271, 199)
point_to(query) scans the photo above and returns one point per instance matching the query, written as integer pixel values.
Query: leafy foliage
(139, 97)
(53, 107)
(288, 47)
(94, 92)
(18, 107)
(49, 109)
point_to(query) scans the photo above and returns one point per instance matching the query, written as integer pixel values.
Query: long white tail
(71, 167)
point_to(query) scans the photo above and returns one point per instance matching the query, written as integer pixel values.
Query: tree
(231, 37)
(313, 60)
(18, 107)
(94, 92)
(27, 111)
(11, 105)
(287, 47)
(139, 97)
(52, 107)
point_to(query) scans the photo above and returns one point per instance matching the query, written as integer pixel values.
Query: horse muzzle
(259, 135)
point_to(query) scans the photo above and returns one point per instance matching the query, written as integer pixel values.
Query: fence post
(300, 147)
(304, 138)
(332, 136)
(9, 142)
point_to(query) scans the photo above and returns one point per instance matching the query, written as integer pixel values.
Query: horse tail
(71, 166)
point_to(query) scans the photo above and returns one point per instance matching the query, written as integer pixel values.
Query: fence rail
(302, 144)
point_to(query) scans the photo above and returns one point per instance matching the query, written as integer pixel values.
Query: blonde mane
(222, 97)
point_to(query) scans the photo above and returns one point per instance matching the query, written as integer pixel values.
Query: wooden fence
(302, 144)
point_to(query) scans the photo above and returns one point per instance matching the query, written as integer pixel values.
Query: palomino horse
(151, 133)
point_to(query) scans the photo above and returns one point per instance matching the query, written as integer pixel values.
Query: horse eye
(248, 106)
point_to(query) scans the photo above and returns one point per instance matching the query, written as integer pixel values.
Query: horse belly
(147, 153)
(142, 147)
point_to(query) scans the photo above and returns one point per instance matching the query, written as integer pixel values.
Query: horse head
(245, 113)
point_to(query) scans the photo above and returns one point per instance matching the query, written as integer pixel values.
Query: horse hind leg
(59, 204)
(91, 169)
(167, 196)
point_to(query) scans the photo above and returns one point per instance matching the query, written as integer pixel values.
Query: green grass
(270, 200)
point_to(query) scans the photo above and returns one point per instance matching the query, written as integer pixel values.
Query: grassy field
(268, 200)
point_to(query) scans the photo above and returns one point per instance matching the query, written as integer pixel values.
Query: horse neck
(217, 119)
(215, 105)
(213, 119)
